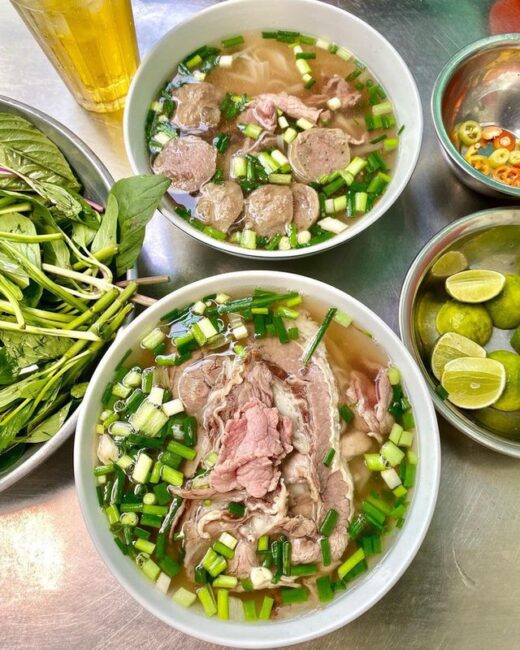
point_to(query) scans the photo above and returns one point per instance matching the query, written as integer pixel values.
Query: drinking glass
(91, 43)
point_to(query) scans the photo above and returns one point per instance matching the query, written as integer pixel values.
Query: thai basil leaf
(49, 427)
(78, 390)
(82, 235)
(14, 425)
(54, 252)
(107, 233)
(11, 456)
(14, 222)
(28, 349)
(26, 150)
(8, 368)
(137, 198)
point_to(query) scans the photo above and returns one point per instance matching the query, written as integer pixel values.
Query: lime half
(474, 383)
(476, 285)
(448, 264)
(453, 346)
(510, 398)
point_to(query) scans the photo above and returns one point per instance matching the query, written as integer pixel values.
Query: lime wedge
(473, 382)
(448, 264)
(453, 346)
(476, 285)
(510, 398)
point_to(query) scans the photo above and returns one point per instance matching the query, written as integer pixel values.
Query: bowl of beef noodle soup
(257, 451)
(285, 128)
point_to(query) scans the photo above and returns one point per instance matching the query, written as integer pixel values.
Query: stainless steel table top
(463, 589)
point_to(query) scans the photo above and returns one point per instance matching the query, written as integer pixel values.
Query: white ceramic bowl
(363, 593)
(306, 16)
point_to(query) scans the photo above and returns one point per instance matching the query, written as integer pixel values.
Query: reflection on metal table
(462, 589)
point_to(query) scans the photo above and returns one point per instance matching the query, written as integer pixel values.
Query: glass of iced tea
(91, 43)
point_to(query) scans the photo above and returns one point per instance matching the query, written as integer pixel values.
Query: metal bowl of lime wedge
(459, 316)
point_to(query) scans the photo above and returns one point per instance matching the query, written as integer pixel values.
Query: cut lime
(425, 316)
(505, 308)
(471, 321)
(473, 382)
(448, 264)
(475, 285)
(453, 346)
(515, 340)
(510, 398)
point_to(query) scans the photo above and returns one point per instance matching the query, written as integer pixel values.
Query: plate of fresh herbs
(68, 236)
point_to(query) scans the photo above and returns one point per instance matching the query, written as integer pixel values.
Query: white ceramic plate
(307, 16)
(384, 572)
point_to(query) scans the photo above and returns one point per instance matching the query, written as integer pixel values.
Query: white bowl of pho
(286, 128)
(257, 451)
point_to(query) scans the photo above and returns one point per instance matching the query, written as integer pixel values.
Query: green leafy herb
(25, 149)
(137, 198)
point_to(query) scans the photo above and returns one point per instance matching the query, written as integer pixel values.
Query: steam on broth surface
(254, 453)
(273, 140)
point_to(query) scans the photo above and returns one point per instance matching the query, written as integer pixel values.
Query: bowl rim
(438, 91)
(411, 285)
(22, 467)
(396, 187)
(371, 587)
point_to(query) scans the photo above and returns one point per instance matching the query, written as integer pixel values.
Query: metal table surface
(462, 589)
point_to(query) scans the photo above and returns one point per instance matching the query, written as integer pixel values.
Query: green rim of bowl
(411, 286)
(438, 92)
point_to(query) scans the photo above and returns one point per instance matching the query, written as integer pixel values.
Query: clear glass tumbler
(91, 43)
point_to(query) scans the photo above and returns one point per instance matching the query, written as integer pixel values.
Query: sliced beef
(188, 162)
(193, 381)
(302, 485)
(253, 445)
(220, 204)
(338, 87)
(318, 152)
(239, 383)
(371, 399)
(262, 110)
(269, 209)
(306, 206)
(198, 106)
(244, 560)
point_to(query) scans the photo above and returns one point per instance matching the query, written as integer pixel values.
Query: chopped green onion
(234, 40)
(329, 522)
(346, 413)
(320, 333)
(329, 457)
(382, 109)
(304, 569)
(265, 609)
(237, 509)
(325, 551)
(184, 598)
(207, 600)
(225, 582)
(249, 610)
(293, 595)
(350, 563)
(324, 587)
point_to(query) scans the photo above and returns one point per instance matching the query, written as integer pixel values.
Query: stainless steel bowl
(484, 230)
(482, 83)
(97, 181)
